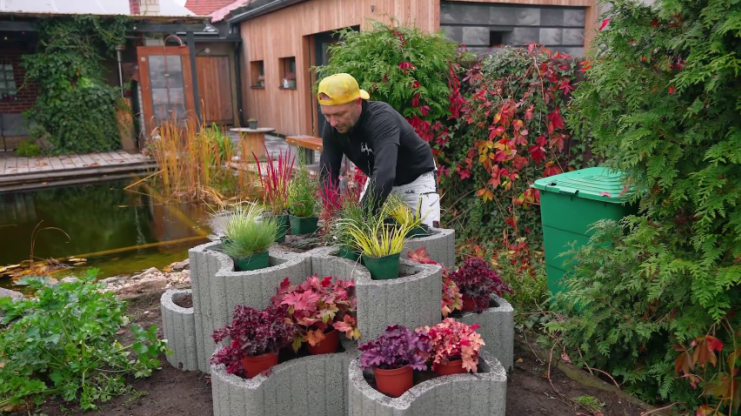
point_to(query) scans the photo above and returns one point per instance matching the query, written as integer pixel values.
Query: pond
(118, 231)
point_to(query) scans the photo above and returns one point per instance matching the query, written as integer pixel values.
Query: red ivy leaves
(555, 121)
(537, 151)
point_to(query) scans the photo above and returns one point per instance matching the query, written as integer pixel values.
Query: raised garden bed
(299, 386)
(496, 328)
(440, 245)
(178, 328)
(480, 394)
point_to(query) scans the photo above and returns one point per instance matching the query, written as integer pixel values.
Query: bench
(305, 146)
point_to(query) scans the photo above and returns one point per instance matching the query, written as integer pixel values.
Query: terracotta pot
(394, 382)
(256, 365)
(328, 345)
(468, 304)
(451, 367)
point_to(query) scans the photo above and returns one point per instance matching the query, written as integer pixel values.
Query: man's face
(342, 117)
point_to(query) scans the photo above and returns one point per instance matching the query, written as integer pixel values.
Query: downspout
(238, 70)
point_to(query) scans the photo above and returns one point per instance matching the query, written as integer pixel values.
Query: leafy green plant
(28, 148)
(248, 232)
(75, 105)
(63, 343)
(302, 192)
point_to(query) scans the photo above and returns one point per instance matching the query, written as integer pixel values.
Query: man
(381, 143)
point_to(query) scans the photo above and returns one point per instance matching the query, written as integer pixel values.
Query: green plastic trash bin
(569, 204)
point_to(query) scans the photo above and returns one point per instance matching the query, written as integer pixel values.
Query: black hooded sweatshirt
(383, 145)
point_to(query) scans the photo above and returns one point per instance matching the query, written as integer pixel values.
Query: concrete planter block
(440, 245)
(412, 301)
(179, 329)
(497, 330)
(480, 394)
(218, 288)
(312, 385)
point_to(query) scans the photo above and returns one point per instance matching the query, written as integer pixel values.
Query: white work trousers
(425, 188)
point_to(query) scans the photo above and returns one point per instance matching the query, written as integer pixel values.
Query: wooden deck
(35, 171)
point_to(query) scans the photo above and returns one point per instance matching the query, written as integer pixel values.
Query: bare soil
(172, 392)
(185, 301)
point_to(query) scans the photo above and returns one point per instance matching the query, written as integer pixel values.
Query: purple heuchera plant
(395, 348)
(478, 281)
(252, 332)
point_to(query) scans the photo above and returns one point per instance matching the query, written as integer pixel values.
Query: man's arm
(385, 143)
(331, 158)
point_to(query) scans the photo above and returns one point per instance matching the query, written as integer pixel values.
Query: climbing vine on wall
(75, 106)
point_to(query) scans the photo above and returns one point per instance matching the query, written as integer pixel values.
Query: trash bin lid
(598, 183)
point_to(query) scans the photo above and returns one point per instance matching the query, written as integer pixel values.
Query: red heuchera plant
(276, 179)
(395, 348)
(453, 340)
(452, 299)
(252, 333)
(316, 306)
(478, 281)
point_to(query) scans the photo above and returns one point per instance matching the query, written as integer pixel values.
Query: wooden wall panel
(581, 3)
(285, 33)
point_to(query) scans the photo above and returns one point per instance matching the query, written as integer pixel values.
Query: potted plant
(247, 237)
(303, 203)
(252, 123)
(477, 281)
(349, 213)
(320, 309)
(274, 183)
(380, 244)
(255, 339)
(400, 212)
(455, 347)
(393, 356)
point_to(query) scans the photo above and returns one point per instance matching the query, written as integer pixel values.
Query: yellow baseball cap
(341, 89)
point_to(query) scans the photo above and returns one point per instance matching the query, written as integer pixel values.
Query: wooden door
(215, 89)
(166, 83)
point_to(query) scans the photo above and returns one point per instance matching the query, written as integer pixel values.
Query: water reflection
(97, 217)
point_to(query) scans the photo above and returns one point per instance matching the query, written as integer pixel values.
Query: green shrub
(661, 102)
(64, 343)
(28, 148)
(247, 233)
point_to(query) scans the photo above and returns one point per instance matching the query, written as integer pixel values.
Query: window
(495, 38)
(288, 73)
(257, 72)
(8, 90)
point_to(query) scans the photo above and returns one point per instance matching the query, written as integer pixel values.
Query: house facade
(283, 39)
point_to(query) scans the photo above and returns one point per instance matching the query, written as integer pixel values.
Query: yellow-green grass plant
(247, 236)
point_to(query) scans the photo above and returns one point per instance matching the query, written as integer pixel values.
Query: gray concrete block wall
(440, 246)
(497, 330)
(556, 27)
(179, 329)
(217, 289)
(480, 394)
(412, 301)
(312, 385)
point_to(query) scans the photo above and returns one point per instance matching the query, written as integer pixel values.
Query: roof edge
(255, 9)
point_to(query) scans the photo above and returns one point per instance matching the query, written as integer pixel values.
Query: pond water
(116, 230)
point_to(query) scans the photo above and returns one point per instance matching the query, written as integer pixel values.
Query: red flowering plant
(317, 306)
(251, 333)
(397, 347)
(452, 299)
(477, 281)
(452, 340)
(275, 180)
(508, 132)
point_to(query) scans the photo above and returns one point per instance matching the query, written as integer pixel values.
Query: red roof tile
(205, 7)
(224, 11)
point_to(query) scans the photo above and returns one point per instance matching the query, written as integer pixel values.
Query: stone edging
(178, 328)
(497, 330)
(311, 385)
(480, 394)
